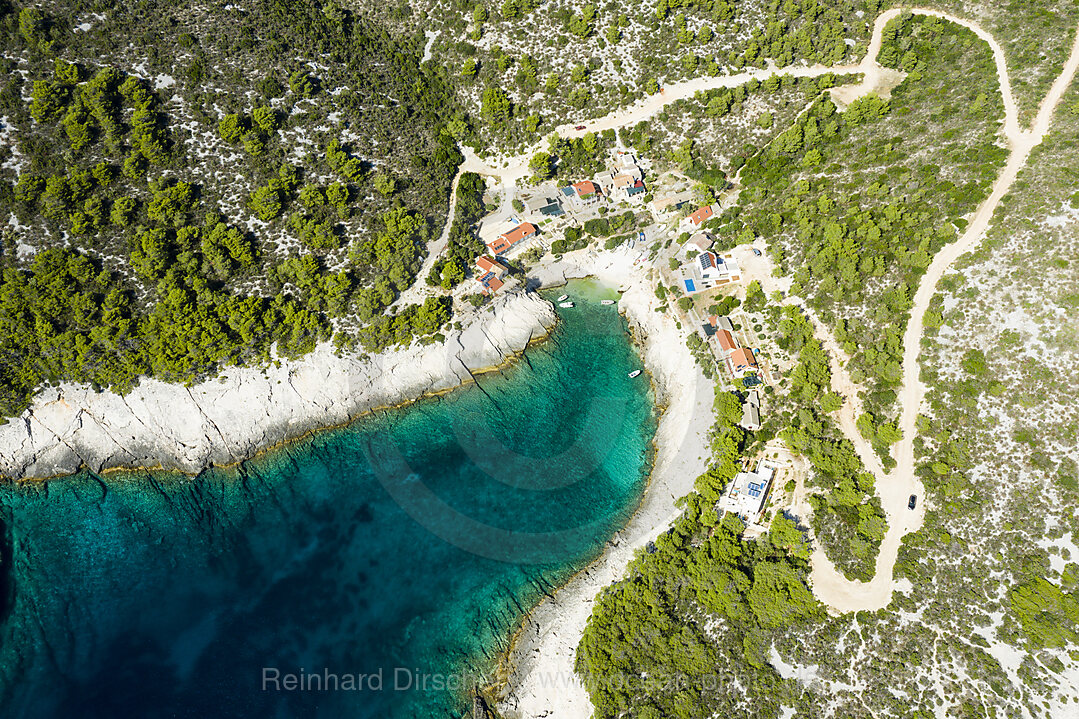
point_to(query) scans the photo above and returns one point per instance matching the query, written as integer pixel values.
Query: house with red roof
(700, 215)
(742, 361)
(508, 239)
(726, 341)
(491, 274)
(587, 191)
(486, 264)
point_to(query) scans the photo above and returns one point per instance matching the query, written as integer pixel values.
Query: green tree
(265, 118)
(384, 183)
(301, 83)
(253, 144)
(231, 127)
(496, 105)
(123, 210)
(266, 203)
(48, 100)
(540, 165)
(784, 533)
(778, 596)
(452, 274)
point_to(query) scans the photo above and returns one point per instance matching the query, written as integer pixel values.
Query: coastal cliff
(245, 410)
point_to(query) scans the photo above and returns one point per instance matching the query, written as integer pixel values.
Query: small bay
(393, 557)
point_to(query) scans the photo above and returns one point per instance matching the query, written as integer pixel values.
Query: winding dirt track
(894, 488)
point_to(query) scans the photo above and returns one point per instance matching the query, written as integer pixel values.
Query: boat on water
(563, 298)
(565, 304)
(634, 373)
(606, 302)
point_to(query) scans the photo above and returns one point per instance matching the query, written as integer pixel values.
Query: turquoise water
(405, 546)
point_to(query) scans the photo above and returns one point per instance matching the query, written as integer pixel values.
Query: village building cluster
(621, 183)
(740, 361)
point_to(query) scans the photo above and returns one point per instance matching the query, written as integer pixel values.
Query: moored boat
(606, 302)
(563, 298)
(565, 304)
(634, 373)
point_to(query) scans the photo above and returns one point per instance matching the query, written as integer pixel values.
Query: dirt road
(896, 486)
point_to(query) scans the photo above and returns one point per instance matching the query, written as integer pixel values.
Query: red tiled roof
(508, 239)
(489, 282)
(518, 233)
(743, 358)
(713, 320)
(726, 340)
(586, 187)
(701, 214)
(498, 246)
(488, 265)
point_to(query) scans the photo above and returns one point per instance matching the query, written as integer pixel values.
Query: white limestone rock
(227, 419)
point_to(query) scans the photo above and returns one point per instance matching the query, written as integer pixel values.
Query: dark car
(579, 127)
(913, 501)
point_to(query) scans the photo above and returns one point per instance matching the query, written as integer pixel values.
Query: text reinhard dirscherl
(405, 679)
(401, 679)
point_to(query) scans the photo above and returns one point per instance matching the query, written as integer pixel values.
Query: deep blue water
(405, 545)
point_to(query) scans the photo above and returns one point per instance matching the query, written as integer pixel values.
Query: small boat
(634, 373)
(565, 304)
(606, 302)
(563, 298)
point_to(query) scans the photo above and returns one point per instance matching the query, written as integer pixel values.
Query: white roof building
(748, 492)
(709, 270)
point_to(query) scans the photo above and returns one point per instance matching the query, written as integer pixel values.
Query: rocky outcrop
(230, 418)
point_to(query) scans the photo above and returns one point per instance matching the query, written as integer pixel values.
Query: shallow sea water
(396, 554)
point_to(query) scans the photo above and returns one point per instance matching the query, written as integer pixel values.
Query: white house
(748, 492)
(709, 270)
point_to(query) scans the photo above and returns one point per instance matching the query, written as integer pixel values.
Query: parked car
(756, 252)
(579, 127)
(913, 502)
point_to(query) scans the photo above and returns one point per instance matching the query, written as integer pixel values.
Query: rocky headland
(232, 417)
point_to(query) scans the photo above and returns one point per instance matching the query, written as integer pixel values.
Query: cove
(405, 547)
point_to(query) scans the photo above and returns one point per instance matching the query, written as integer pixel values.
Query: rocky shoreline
(246, 410)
